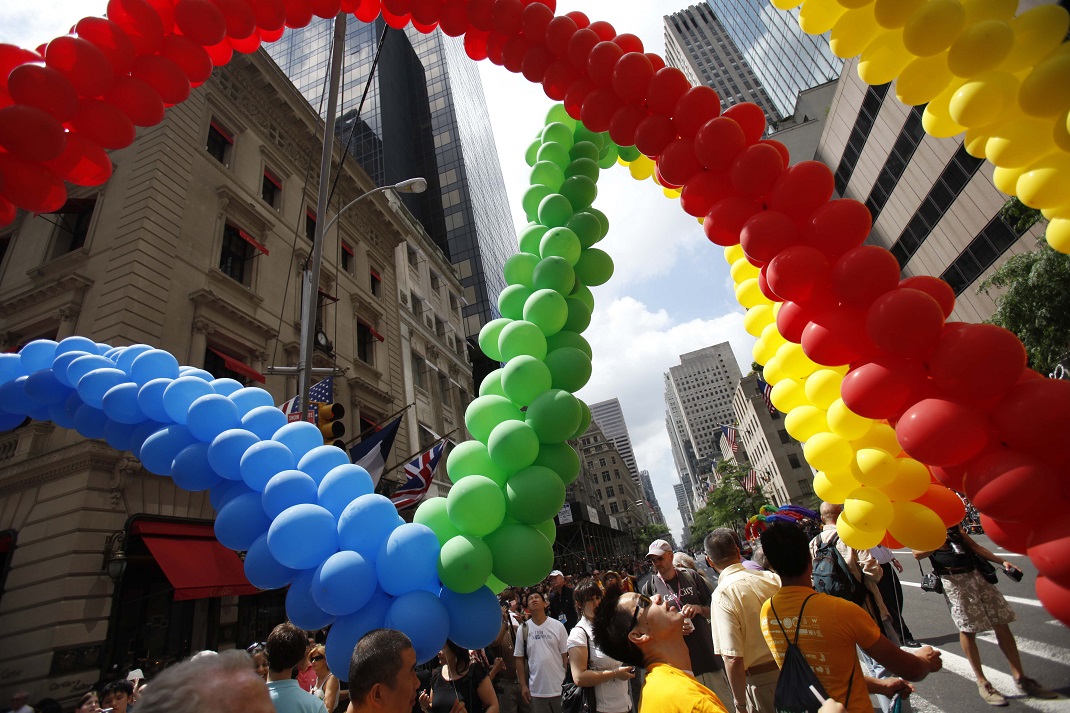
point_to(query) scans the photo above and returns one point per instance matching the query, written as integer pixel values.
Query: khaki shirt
(735, 613)
(862, 565)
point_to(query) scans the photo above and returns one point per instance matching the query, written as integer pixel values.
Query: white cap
(557, 573)
(658, 548)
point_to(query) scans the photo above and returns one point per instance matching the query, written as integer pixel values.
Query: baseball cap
(557, 573)
(658, 548)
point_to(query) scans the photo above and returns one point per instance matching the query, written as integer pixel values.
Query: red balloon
(30, 133)
(326, 8)
(702, 190)
(424, 29)
(977, 359)
(836, 337)
(629, 42)
(666, 88)
(29, 185)
(83, 163)
(795, 270)
(220, 54)
(576, 95)
(1049, 544)
(506, 16)
(191, 57)
(631, 78)
(103, 123)
(535, 19)
(624, 123)
(480, 14)
(246, 45)
(110, 39)
(271, 14)
(763, 284)
(1009, 485)
(598, 109)
(791, 320)
(905, 322)
(559, 76)
(882, 387)
(604, 30)
(784, 153)
(756, 169)
(803, 189)
(726, 219)
(864, 274)
(513, 53)
(1034, 416)
(718, 142)
(164, 76)
(475, 44)
(765, 235)
(202, 22)
(838, 226)
(396, 7)
(240, 18)
(656, 61)
(946, 504)
(11, 57)
(653, 134)
(137, 100)
(951, 477)
(579, 18)
(579, 47)
(453, 19)
(397, 22)
(44, 88)
(558, 33)
(662, 181)
(1055, 598)
(601, 62)
(1012, 536)
(941, 432)
(495, 46)
(141, 23)
(82, 63)
(299, 13)
(932, 286)
(695, 108)
(677, 163)
(750, 118)
(165, 10)
(535, 62)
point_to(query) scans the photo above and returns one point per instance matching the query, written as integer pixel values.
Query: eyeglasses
(314, 659)
(643, 603)
(256, 645)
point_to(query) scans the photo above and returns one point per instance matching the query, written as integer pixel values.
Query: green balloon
(628, 153)
(532, 198)
(524, 378)
(558, 114)
(554, 416)
(488, 337)
(532, 151)
(507, 542)
(473, 458)
(530, 237)
(601, 219)
(548, 529)
(554, 273)
(580, 192)
(546, 309)
(586, 227)
(486, 412)
(595, 267)
(559, 133)
(476, 505)
(584, 149)
(570, 368)
(562, 459)
(492, 384)
(513, 445)
(534, 494)
(582, 167)
(555, 210)
(519, 268)
(607, 156)
(464, 564)
(564, 339)
(585, 134)
(579, 315)
(561, 242)
(432, 513)
(496, 585)
(585, 419)
(555, 153)
(583, 293)
(522, 337)
(511, 301)
(547, 174)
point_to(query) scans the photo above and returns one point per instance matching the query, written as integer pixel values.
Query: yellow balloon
(853, 31)
(794, 362)
(733, 253)
(671, 193)
(1036, 33)
(923, 79)
(845, 423)
(876, 468)
(816, 17)
(844, 478)
(749, 294)
(936, 118)
(975, 142)
(883, 59)
(1019, 141)
(772, 335)
(828, 452)
(854, 4)
(854, 536)
(911, 481)
(1006, 179)
(980, 10)
(1043, 91)
(805, 422)
(1058, 235)
(1062, 211)
(842, 369)
(1060, 134)
(868, 509)
(980, 47)
(933, 27)
(742, 270)
(762, 352)
(757, 318)
(881, 436)
(788, 394)
(823, 387)
(984, 99)
(893, 14)
(786, 4)
(773, 372)
(1046, 184)
(830, 492)
(641, 168)
(916, 526)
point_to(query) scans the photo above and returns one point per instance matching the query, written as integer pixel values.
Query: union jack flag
(420, 471)
(731, 437)
(322, 392)
(766, 391)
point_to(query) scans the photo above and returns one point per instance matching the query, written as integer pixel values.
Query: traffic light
(329, 422)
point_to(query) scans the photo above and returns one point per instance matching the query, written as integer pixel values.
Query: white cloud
(28, 24)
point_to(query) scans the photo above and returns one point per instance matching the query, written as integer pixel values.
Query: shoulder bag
(574, 698)
(930, 582)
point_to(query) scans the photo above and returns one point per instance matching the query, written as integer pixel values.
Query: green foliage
(1018, 216)
(730, 505)
(648, 533)
(1035, 304)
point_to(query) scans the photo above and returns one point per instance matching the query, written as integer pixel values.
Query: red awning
(271, 179)
(252, 241)
(346, 249)
(327, 297)
(371, 329)
(239, 367)
(375, 274)
(197, 566)
(223, 132)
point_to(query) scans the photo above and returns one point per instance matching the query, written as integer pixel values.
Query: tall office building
(610, 419)
(424, 115)
(683, 504)
(656, 516)
(698, 401)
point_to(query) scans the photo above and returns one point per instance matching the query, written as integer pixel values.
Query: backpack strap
(850, 682)
(524, 634)
(798, 625)
(772, 606)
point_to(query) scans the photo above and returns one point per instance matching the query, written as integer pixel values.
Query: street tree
(729, 505)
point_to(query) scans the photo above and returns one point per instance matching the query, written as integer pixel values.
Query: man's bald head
(829, 513)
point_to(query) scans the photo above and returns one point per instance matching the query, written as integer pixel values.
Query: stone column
(199, 342)
(68, 320)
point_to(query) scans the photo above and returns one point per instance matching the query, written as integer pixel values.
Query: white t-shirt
(613, 696)
(542, 651)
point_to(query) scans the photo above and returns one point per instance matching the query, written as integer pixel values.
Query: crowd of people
(797, 621)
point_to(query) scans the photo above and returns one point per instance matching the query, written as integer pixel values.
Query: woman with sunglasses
(260, 663)
(459, 678)
(326, 688)
(590, 666)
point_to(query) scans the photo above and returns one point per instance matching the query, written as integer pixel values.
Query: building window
(995, 239)
(613, 509)
(867, 114)
(436, 281)
(444, 389)
(609, 492)
(310, 224)
(419, 367)
(413, 257)
(236, 255)
(602, 462)
(605, 476)
(366, 339)
(427, 437)
(375, 283)
(220, 143)
(347, 257)
(72, 226)
(271, 189)
(794, 460)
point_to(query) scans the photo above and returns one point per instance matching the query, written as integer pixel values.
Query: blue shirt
(287, 697)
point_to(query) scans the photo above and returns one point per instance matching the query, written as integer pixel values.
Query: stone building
(607, 477)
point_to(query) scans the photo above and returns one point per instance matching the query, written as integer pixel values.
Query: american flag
(750, 483)
(766, 391)
(731, 436)
(420, 471)
(322, 392)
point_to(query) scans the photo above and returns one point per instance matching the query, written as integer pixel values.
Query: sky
(671, 292)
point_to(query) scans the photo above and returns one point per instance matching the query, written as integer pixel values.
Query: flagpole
(409, 457)
(371, 429)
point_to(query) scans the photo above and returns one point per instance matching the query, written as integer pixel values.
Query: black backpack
(793, 694)
(831, 575)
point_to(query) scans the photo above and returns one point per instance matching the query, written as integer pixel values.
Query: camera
(1015, 574)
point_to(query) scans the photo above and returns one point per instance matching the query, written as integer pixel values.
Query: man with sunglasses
(649, 631)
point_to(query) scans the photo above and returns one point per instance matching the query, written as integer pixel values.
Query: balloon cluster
(305, 516)
(1004, 80)
(770, 513)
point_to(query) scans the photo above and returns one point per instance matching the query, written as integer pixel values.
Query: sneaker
(990, 694)
(1030, 687)
(913, 644)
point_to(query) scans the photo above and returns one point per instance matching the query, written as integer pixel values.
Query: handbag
(985, 568)
(577, 699)
(930, 582)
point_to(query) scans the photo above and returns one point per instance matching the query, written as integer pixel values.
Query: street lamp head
(411, 185)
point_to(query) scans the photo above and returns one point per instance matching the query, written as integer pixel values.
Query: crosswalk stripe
(920, 705)
(1016, 600)
(1004, 683)
(1035, 648)
(1001, 553)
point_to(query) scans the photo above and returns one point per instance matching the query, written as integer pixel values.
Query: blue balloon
(83, 365)
(9, 421)
(224, 491)
(191, 470)
(344, 583)
(321, 460)
(150, 400)
(38, 354)
(423, 618)
(142, 433)
(62, 364)
(227, 449)
(249, 398)
(103, 348)
(43, 387)
(366, 523)
(474, 618)
(57, 413)
(118, 435)
(343, 485)
(120, 403)
(348, 630)
(113, 354)
(226, 387)
(301, 608)
(302, 536)
(10, 368)
(96, 383)
(13, 396)
(264, 421)
(286, 489)
(39, 412)
(262, 570)
(90, 422)
(196, 373)
(210, 415)
(408, 560)
(180, 395)
(300, 437)
(76, 344)
(263, 460)
(153, 364)
(159, 450)
(241, 521)
(125, 358)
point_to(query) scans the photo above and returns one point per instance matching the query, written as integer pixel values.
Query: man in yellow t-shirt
(831, 628)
